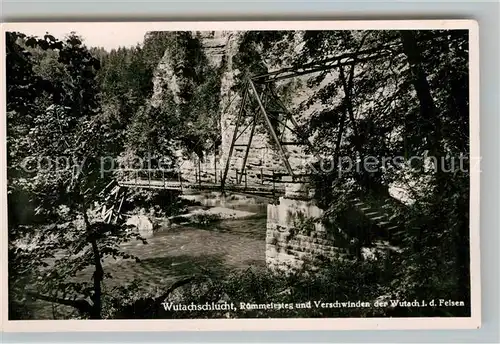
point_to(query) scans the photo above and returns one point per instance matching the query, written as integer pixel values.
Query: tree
(408, 99)
(189, 117)
(67, 236)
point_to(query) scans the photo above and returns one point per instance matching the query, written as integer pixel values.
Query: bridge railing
(158, 178)
(152, 177)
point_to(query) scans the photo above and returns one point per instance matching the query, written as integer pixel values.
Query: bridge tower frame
(347, 59)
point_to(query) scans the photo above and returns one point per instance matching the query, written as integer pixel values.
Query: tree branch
(175, 285)
(83, 306)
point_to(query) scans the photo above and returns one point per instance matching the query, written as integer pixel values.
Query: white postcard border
(472, 322)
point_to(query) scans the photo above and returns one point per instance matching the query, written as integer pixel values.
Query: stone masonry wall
(289, 243)
(293, 236)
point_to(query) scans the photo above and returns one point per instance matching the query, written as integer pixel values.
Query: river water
(182, 250)
(187, 249)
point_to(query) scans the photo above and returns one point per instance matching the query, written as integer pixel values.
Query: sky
(106, 35)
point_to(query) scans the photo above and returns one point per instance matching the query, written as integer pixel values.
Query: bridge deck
(174, 185)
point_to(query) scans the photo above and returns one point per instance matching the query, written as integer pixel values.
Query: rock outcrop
(142, 225)
(220, 49)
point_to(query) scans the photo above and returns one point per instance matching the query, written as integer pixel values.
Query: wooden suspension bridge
(259, 104)
(270, 186)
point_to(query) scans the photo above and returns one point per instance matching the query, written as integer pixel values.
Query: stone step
(392, 217)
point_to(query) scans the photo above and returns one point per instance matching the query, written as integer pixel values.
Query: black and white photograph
(301, 171)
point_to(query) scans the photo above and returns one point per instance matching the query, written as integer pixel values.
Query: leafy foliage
(60, 236)
(395, 94)
(403, 102)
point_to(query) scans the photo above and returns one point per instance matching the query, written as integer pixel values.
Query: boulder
(142, 223)
(161, 224)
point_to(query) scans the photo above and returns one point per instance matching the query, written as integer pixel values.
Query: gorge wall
(220, 49)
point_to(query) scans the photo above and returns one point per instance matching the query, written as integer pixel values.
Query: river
(182, 250)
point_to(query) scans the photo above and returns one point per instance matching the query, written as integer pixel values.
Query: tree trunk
(430, 121)
(98, 273)
(347, 85)
(432, 129)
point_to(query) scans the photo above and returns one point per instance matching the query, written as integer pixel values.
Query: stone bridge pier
(295, 235)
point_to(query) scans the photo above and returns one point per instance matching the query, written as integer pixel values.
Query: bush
(344, 281)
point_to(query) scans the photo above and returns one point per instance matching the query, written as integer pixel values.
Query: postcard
(278, 175)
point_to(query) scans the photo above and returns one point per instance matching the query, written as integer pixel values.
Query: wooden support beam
(215, 167)
(318, 67)
(292, 143)
(231, 148)
(243, 165)
(297, 130)
(271, 129)
(243, 131)
(199, 171)
(245, 157)
(120, 207)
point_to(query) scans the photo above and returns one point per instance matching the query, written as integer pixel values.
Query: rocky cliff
(219, 49)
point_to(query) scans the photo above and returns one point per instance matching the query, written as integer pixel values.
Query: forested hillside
(384, 95)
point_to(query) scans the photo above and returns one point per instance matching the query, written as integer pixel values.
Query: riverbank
(236, 241)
